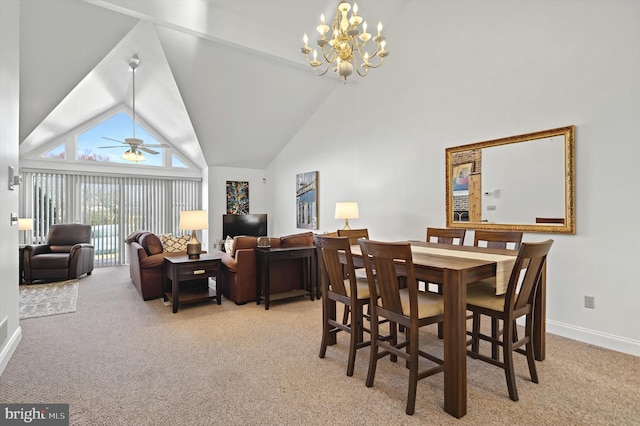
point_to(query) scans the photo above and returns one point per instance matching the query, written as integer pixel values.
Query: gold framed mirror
(522, 183)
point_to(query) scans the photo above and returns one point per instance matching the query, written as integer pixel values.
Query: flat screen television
(254, 225)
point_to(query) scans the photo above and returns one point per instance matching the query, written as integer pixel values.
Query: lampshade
(25, 224)
(194, 219)
(347, 210)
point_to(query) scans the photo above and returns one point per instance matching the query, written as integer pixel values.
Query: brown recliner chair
(67, 254)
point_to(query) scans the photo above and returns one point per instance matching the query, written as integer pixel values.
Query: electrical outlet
(589, 302)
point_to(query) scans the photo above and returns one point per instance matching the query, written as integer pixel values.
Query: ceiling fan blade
(116, 140)
(112, 146)
(145, 149)
(158, 145)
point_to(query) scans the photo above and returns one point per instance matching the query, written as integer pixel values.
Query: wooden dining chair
(499, 240)
(446, 236)
(343, 287)
(518, 301)
(443, 236)
(406, 307)
(353, 235)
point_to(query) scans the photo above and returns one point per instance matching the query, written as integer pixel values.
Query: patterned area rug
(41, 300)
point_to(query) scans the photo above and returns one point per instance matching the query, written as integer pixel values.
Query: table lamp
(194, 220)
(25, 224)
(347, 210)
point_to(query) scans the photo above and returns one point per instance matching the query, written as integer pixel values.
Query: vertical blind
(113, 206)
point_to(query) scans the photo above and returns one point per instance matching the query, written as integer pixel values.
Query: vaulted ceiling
(222, 80)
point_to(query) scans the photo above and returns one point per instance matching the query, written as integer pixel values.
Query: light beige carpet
(41, 300)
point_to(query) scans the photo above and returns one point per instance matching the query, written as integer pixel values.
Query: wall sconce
(194, 220)
(347, 210)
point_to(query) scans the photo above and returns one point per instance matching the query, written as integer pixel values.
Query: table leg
(267, 284)
(219, 284)
(314, 274)
(455, 347)
(175, 287)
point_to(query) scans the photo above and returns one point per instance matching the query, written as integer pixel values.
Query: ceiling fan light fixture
(133, 156)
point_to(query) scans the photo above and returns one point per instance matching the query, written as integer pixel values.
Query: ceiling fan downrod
(133, 63)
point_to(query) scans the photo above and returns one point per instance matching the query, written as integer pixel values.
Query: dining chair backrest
(389, 260)
(446, 236)
(329, 250)
(523, 282)
(354, 234)
(497, 239)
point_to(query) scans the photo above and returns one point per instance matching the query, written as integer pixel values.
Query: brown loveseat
(146, 263)
(67, 254)
(239, 267)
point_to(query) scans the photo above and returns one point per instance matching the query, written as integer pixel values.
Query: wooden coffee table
(181, 273)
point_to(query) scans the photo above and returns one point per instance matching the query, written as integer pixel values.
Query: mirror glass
(523, 182)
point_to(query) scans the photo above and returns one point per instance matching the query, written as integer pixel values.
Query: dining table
(455, 267)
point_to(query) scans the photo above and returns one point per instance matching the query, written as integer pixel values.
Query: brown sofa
(146, 263)
(67, 254)
(239, 268)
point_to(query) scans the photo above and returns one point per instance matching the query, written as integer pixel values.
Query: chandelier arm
(370, 65)
(331, 59)
(362, 74)
(365, 64)
(323, 72)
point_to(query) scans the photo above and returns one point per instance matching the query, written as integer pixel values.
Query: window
(113, 206)
(104, 144)
(93, 144)
(57, 152)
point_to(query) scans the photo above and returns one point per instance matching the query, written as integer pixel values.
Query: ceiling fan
(136, 145)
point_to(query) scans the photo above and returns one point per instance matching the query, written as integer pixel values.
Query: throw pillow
(151, 243)
(228, 246)
(172, 244)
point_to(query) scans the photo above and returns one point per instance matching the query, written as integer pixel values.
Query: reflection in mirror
(523, 182)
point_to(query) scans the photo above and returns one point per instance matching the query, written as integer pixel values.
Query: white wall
(469, 71)
(218, 177)
(10, 332)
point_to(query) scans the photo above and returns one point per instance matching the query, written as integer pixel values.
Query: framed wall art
(461, 174)
(237, 197)
(307, 200)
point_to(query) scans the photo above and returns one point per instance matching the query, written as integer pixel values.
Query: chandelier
(346, 46)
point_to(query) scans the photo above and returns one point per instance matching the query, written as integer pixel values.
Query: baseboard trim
(609, 341)
(10, 348)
